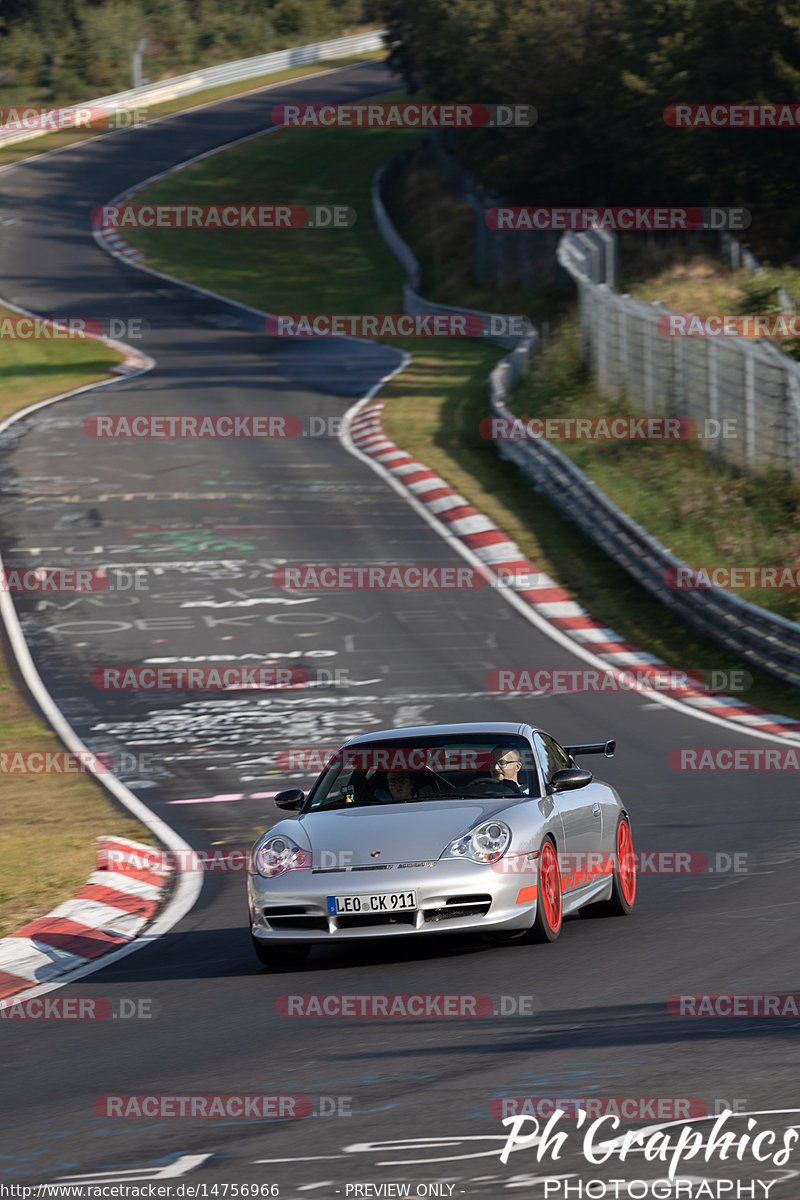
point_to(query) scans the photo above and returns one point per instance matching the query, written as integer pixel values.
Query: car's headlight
(485, 843)
(279, 854)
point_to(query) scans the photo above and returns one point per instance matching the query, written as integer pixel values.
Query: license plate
(386, 902)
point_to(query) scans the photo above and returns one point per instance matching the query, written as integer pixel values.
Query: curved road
(394, 1101)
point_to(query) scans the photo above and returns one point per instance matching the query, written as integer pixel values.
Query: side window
(550, 755)
(527, 779)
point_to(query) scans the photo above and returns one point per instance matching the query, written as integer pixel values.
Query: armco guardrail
(196, 81)
(593, 254)
(413, 302)
(768, 642)
(747, 381)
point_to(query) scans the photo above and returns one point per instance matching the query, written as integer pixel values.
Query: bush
(759, 294)
(25, 50)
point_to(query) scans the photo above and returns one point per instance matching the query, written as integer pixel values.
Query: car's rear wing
(606, 748)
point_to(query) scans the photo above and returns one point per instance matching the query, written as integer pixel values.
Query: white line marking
(181, 1166)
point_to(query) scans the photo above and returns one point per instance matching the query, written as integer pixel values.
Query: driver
(506, 766)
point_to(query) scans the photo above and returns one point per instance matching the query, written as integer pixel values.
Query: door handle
(596, 810)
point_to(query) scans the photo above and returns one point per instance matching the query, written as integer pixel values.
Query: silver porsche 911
(441, 829)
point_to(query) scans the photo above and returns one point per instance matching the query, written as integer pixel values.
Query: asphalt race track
(206, 523)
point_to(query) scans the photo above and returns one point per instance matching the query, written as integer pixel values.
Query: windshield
(414, 770)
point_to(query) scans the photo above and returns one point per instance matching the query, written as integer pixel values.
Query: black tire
(279, 956)
(623, 886)
(549, 907)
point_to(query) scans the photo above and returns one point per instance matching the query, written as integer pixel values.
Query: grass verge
(685, 281)
(344, 270)
(33, 369)
(56, 141)
(50, 822)
(701, 283)
(434, 408)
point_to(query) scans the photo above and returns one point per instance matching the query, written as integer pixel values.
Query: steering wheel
(507, 786)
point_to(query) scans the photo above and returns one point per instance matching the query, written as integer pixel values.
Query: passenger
(398, 787)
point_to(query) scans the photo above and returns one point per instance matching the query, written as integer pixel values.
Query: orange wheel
(623, 887)
(547, 925)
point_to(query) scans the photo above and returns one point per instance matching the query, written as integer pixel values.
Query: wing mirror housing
(568, 779)
(294, 798)
(606, 748)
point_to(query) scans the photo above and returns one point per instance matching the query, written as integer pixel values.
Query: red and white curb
(500, 555)
(117, 245)
(110, 240)
(118, 901)
(132, 364)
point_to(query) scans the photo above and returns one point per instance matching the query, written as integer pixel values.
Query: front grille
(459, 906)
(363, 920)
(294, 917)
(299, 922)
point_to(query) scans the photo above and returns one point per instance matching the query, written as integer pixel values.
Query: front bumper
(452, 896)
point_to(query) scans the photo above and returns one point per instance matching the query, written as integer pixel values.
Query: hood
(401, 832)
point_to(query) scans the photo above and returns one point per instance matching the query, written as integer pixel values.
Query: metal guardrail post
(602, 344)
(649, 377)
(749, 409)
(136, 64)
(713, 393)
(678, 404)
(612, 244)
(624, 372)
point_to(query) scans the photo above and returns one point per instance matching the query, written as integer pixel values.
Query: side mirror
(294, 798)
(568, 779)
